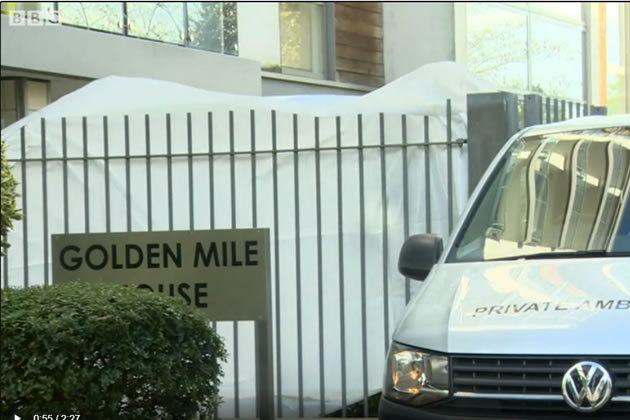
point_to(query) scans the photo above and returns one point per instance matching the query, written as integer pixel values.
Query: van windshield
(558, 193)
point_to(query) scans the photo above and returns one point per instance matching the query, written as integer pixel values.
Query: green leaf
(105, 352)
(8, 194)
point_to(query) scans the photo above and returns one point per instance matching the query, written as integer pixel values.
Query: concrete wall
(88, 54)
(416, 34)
(280, 84)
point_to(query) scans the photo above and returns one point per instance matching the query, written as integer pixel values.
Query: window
(35, 95)
(20, 97)
(555, 192)
(497, 45)
(528, 46)
(570, 12)
(302, 37)
(616, 43)
(9, 102)
(213, 26)
(157, 21)
(556, 59)
(100, 16)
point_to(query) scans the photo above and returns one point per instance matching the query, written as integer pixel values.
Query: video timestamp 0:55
(57, 417)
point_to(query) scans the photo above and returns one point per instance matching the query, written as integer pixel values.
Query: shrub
(10, 211)
(106, 352)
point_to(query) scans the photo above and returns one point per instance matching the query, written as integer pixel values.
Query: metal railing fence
(339, 194)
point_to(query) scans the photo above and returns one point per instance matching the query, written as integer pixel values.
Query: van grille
(525, 386)
(532, 375)
(518, 409)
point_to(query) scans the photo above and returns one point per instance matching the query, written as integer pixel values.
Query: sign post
(225, 274)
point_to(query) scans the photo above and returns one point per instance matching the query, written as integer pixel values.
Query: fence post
(533, 110)
(492, 120)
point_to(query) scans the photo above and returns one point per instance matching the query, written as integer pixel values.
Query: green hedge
(10, 212)
(106, 352)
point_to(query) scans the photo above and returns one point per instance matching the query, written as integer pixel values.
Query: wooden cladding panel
(360, 28)
(360, 79)
(346, 52)
(371, 6)
(359, 43)
(364, 16)
(362, 67)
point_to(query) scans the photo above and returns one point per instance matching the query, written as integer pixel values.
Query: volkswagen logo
(586, 387)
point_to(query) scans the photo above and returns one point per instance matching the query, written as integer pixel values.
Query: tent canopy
(421, 92)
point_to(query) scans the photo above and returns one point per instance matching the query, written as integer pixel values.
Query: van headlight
(415, 377)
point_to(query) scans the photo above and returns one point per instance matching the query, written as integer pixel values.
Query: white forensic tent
(136, 106)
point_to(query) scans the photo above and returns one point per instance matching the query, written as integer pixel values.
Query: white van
(526, 313)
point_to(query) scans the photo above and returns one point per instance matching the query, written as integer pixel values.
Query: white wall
(259, 32)
(81, 53)
(416, 34)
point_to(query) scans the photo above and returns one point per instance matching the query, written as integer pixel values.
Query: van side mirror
(418, 255)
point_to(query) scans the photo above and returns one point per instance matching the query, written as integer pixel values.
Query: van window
(558, 192)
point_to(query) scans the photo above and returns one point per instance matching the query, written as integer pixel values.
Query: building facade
(578, 51)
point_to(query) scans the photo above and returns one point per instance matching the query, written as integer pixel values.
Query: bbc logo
(34, 17)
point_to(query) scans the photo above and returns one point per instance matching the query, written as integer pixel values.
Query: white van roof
(581, 124)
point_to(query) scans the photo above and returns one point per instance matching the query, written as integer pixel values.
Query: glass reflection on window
(559, 192)
(615, 67)
(618, 162)
(497, 45)
(213, 26)
(158, 21)
(204, 25)
(556, 52)
(568, 10)
(230, 28)
(101, 16)
(301, 36)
